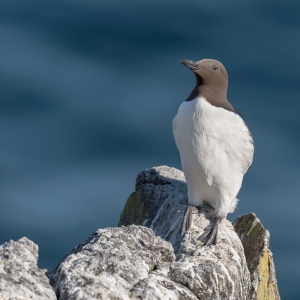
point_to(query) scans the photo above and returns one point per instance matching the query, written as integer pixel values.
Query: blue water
(88, 90)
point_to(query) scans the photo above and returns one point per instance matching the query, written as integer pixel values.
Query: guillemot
(216, 147)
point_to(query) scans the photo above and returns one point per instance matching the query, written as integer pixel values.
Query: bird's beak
(190, 64)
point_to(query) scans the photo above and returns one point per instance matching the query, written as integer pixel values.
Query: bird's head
(209, 72)
(212, 82)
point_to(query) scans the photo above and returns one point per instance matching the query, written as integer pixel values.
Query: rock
(223, 271)
(159, 286)
(153, 187)
(119, 263)
(134, 263)
(216, 272)
(159, 202)
(20, 277)
(151, 260)
(256, 241)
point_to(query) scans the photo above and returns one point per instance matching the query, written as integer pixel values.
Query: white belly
(215, 150)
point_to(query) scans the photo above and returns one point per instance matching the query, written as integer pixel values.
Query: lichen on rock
(256, 242)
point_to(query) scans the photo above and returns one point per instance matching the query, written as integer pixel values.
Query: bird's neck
(215, 96)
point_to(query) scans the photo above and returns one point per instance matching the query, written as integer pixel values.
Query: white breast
(216, 150)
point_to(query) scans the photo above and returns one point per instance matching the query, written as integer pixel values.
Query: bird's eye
(215, 68)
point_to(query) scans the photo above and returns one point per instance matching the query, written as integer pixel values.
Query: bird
(215, 145)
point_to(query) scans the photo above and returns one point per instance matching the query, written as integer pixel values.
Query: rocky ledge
(147, 258)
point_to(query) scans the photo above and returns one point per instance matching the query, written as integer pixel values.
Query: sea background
(88, 91)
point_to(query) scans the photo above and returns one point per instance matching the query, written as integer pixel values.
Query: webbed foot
(187, 220)
(212, 235)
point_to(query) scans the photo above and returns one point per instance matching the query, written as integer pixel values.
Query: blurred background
(88, 91)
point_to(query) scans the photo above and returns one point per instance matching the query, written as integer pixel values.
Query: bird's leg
(187, 220)
(211, 238)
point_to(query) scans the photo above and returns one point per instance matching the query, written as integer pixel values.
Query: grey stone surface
(20, 277)
(119, 263)
(159, 202)
(133, 263)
